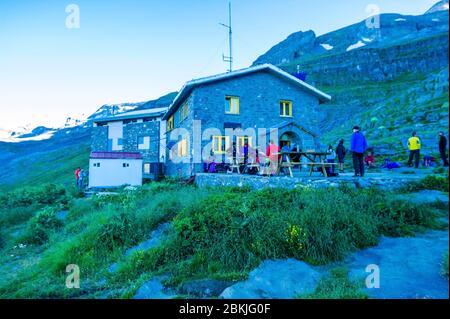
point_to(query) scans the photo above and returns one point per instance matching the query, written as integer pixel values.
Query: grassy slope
(56, 166)
(218, 233)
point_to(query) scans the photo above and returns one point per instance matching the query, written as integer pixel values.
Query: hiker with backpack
(414, 146)
(358, 146)
(340, 152)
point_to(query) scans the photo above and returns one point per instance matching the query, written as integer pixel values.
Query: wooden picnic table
(316, 159)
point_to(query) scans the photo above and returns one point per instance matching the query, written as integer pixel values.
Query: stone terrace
(384, 179)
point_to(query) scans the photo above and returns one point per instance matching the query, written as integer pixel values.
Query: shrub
(41, 226)
(45, 194)
(434, 182)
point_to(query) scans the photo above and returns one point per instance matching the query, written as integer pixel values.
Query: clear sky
(137, 50)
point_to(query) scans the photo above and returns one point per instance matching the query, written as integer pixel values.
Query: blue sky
(137, 50)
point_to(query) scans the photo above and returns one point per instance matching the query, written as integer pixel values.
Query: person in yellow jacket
(414, 150)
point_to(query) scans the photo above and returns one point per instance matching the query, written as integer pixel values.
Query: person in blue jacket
(358, 146)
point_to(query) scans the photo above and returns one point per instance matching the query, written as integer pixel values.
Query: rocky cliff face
(391, 81)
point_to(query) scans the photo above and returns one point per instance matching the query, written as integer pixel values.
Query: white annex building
(114, 169)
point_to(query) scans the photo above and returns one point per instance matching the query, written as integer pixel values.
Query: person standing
(358, 146)
(414, 146)
(331, 157)
(82, 178)
(340, 152)
(77, 176)
(443, 148)
(273, 153)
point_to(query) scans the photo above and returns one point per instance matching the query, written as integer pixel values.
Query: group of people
(80, 177)
(415, 145)
(358, 147)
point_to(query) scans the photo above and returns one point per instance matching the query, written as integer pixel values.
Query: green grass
(433, 182)
(337, 285)
(217, 233)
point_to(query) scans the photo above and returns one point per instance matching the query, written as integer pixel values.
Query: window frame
(241, 141)
(170, 123)
(184, 111)
(182, 147)
(229, 99)
(286, 103)
(149, 168)
(220, 139)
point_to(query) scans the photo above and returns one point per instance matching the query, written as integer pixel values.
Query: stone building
(126, 148)
(208, 116)
(250, 106)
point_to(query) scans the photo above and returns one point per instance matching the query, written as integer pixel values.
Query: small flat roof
(116, 155)
(156, 112)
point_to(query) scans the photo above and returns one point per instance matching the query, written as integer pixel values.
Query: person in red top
(370, 160)
(272, 152)
(77, 175)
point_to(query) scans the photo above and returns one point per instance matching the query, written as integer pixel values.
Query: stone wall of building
(259, 100)
(131, 134)
(99, 139)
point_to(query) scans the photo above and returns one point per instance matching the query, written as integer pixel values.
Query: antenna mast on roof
(229, 58)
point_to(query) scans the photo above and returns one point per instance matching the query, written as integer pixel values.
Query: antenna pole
(229, 58)
(231, 38)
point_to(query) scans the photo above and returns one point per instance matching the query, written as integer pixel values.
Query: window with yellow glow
(170, 123)
(220, 144)
(146, 168)
(241, 140)
(286, 108)
(231, 105)
(182, 148)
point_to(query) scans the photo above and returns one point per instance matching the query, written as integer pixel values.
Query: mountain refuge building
(208, 116)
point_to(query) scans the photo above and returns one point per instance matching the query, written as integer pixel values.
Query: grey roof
(188, 86)
(156, 112)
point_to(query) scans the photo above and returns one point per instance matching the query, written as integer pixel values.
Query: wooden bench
(323, 165)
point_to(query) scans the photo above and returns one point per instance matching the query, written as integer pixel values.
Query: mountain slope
(33, 157)
(391, 84)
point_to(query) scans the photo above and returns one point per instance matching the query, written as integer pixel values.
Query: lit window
(182, 148)
(241, 140)
(220, 144)
(231, 105)
(286, 108)
(170, 123)
(184, 111)
(146, 168)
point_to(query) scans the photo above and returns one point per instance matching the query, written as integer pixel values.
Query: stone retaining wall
(257, 182)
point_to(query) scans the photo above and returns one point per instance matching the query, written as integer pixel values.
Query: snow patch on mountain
(327, 46)
(356, 45)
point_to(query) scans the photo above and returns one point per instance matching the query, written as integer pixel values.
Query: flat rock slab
(155, 239)
(409, 267)
(205, 288)
(154, 289)
(278, 279)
